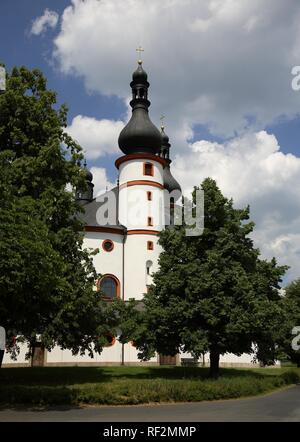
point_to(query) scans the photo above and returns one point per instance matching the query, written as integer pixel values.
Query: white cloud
(97, 137)
(252, 169)
(220, 63)
(225, 64)
(100, 180)
(40, 24)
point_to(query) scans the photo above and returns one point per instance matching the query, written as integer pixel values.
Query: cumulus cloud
(101, 181)
(252, 169)
(222, 63)
(97, 137)
(48, 20)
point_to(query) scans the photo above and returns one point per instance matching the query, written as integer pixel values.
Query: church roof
(89, 217)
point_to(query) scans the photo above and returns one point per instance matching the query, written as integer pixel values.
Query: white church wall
(136, 257)
(134, 207)
(134, 170)
(7, 361)
(111, 355)
(106, 262)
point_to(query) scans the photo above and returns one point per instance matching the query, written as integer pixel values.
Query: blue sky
(211, 65)
(20, 48)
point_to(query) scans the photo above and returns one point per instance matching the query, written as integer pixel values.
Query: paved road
(281, 406)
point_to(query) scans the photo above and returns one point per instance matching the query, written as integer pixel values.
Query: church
(122, 226)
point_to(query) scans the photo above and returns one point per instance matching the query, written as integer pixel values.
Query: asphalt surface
(281, 406)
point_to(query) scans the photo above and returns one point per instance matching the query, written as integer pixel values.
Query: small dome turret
(169, 181)
(86, 195)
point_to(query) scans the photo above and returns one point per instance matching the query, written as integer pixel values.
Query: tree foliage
(290, 322)
(212, 293)
(46, 278)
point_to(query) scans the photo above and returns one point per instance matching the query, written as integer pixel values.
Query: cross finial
(140, 50)
(162, 119)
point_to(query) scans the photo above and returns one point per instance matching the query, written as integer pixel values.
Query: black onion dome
(140, 135)
(89, 176)
(169, 181)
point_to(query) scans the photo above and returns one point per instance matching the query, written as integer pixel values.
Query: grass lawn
(134, 385)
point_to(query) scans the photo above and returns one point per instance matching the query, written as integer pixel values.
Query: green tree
(212, 293)
(46, 278)
(291, 307)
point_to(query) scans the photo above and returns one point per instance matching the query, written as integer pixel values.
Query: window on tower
(149, 196)
(150, 245)
(148, 169)
(150, 221)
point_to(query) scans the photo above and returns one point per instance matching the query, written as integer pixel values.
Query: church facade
(122, 226)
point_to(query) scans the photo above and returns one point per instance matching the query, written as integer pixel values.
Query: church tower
(141, 189)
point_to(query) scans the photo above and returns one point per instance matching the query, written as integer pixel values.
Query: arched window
(109, 286)
(148, 267)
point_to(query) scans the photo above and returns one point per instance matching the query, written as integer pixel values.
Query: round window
(108, 245)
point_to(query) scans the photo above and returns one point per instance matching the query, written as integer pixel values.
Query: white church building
(123, 226)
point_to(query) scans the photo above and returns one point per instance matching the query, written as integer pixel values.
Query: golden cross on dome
(140, 50)
(162, 119)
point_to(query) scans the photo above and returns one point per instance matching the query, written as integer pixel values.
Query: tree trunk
(38, 355)
(214, 364)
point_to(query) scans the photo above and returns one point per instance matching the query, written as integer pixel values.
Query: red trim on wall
(140, 156)
(104, 229)
(141, 183)
(143, 232)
